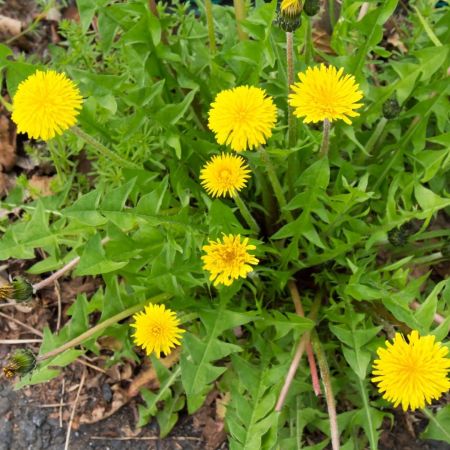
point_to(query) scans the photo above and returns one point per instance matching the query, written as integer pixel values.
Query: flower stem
(100, 148)
(100, 327)
(239, 10)
(309, 47)
(5, 104)
(210, 25)
(291, 135)
(298, 355)
(290, 81)
(268, 200)
(326, 380)
(292, 370)
(309, 350)
(278, 190)
(326, 138)
(251, 222)
(376, 135)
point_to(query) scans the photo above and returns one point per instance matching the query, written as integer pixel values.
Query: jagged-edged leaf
(439, 426)
(250, 413)
(93, 261)
(85, 209)
(198, 370)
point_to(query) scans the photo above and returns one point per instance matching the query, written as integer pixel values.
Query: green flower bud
(391, 108)
(287, 22)
(19, 289)
(311, 7)
(22, 289)
(397, 237)
(20, 362)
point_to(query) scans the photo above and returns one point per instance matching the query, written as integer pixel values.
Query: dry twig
(72, 414)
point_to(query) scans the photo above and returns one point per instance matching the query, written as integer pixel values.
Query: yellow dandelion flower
(325, 93)
(242, 117)
(291, 7)
(228, 260)
(224, 175)
(157, 329)
(46, 104)
(412, 374)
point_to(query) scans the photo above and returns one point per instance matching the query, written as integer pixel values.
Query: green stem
(326, 380)
(239, 10)
(278, 190)
(251, 222)
(100, 148)
(309, 48)
(292, 167)
(331, 13)
(376, 135)
(434, 258)
(100, 327)
(326, 138)
(372, 436)
(210, 25)
(268, 201)
(290, 81)
(6, 104)
(427, 28)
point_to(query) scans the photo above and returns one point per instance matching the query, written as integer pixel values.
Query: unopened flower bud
(289, 15)
(18, 289)
(311, 7)
(391, 108)
(20, 362)
(397, 237)
(22, 289)
(288, 24)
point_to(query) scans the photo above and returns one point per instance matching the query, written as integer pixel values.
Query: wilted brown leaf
(40, 186)
(7, 144)
(9, 26)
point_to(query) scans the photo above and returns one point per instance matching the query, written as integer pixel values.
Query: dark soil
(28, 424)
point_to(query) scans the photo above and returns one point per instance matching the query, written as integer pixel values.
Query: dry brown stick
(58, 297)
(74, 407)
(24, 325)
(145, 438)
(81, 360)
(61, 402)
(19, 341)
(59, 273)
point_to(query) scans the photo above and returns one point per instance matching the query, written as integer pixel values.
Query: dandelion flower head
(412, 373)
(224, 175)
(46, 104)
(242, 117)
(228, 260)
(291, 7)
(157, 329)
(325, 93)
